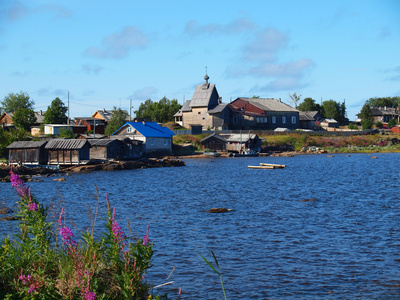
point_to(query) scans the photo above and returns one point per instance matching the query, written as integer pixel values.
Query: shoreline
(27, 173)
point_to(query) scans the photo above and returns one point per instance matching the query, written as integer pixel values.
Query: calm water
(344, 245)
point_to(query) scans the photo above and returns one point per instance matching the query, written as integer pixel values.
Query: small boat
(274, 166)
(246, 153)
(212, 153)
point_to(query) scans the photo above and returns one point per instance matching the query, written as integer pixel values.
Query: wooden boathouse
(68, 151)
(28, 152)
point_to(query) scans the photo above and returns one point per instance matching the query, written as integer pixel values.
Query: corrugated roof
(26, 144)
(202, 95)
(217, 136)
(305, 116)
(69, 144)
(218, 109)
(241, 137)
(270, 104)
(103, 142)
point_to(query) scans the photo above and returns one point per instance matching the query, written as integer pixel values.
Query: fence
(271, 132)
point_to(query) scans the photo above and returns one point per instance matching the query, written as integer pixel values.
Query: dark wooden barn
(132, 149)
(104, 149)
(213, 142)
(68, 151)
(28, 152)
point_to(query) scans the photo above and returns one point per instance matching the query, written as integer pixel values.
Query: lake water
(273, 245)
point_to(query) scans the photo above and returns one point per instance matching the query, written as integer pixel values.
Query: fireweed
(34, 266)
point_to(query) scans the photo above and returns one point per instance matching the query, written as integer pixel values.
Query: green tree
(383, 101)
(162, 111)
(56, 112)
(66, 133)
(334, 110)
(366, 116)
(295, 99)
(309, 104)
(24, 118)
(118, 118)
(9, 136)
(392, 123)
(13, 101)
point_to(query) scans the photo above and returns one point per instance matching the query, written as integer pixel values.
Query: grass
(296, 141)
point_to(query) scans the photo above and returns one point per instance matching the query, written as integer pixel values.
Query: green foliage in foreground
(34, 266)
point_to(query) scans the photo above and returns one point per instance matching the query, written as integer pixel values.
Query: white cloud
(280, 84)
(296, 68)
(144, 93)
(92, 69)
(119, 44)
(260, 59)
(236, 26)
(18, 11)
(265, 45)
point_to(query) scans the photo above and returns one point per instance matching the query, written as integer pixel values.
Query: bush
(34, 266)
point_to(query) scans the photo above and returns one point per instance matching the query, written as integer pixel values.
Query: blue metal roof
(150, 129)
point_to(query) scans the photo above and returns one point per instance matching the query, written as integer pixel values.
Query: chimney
(104, 110)
(41, 112)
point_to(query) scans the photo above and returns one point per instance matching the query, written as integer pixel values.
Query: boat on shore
(246, 153)
(212, 153)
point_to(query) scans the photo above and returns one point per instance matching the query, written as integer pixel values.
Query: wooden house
(155, 138)
(385, 114)
(329, 124)
(106, 149)
(132, 149)
(262, 113)
(243, 141)
(94, 125)
(197, 111)
(28, 152)
(6, 120)
(213, 142)
(68, 151)
(308, 119)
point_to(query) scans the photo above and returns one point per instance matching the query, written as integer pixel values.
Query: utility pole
(68, 109)
(130, 110)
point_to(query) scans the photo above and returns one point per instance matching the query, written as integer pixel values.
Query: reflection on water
(272, 245)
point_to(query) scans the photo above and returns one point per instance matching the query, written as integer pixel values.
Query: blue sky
(108, 52)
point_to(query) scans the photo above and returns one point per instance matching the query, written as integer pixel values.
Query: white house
(155, 138)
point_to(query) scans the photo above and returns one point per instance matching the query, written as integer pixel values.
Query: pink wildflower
(67, 236)
(119, 235)
(33, 206)
(90, 295)
(32, 289)
(117, 232)
(19, 185)
(25, 279)
(146, 240)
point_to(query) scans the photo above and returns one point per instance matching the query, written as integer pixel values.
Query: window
(129, 129)
(235, 120)
(273, 120)
(293, 120)
(265, 119)
(152, 142)
(283, 120)
(166, 141)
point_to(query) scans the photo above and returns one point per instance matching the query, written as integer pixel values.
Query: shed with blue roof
(155, 138)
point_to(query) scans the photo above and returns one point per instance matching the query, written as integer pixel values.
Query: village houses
(205, 109)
